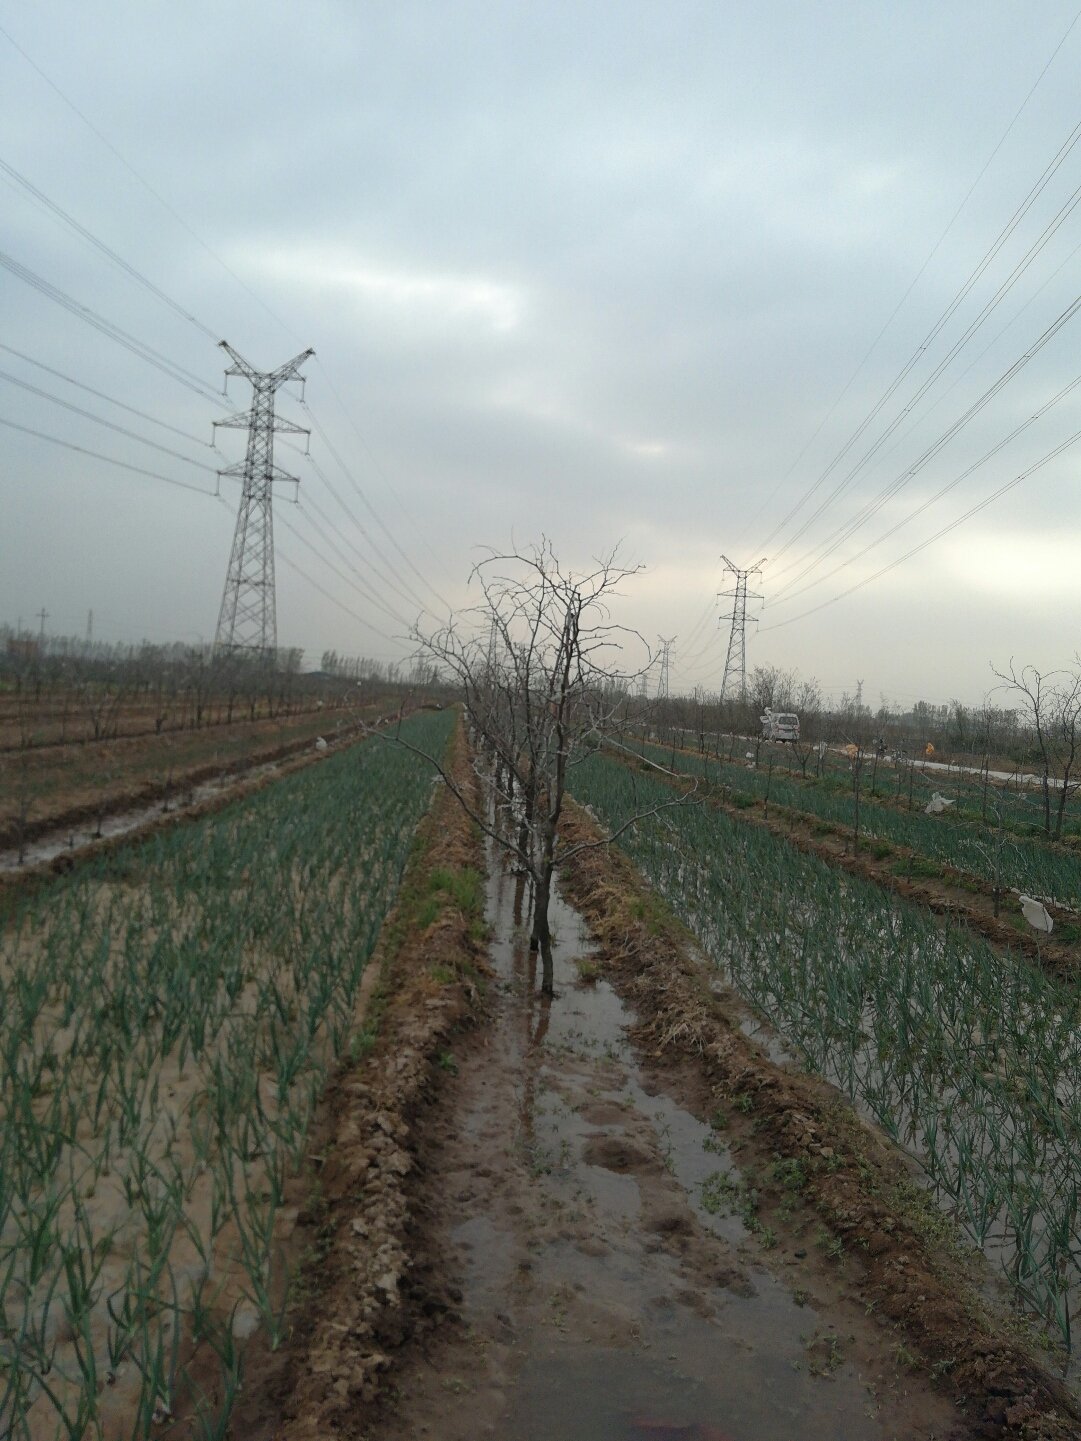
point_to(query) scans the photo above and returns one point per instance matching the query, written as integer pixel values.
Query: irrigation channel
(968, 1057)
(610, 1287)
(66, 840)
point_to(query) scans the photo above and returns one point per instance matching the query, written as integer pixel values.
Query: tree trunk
(541, 930)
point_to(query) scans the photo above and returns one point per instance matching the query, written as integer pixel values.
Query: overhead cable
(122, 405)
(100, 420)
(916, 278)
(1011, 225)
(109, 459)
(872, 507)
(370, 508)
(365, 560)
(961, 519)
(106, 327)
(355, 579)
(1018, 270)
(140, 178)
(945, 490)
(110, 254)
(329, 564)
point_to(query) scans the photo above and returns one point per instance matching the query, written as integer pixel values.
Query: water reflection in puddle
(649, 1329)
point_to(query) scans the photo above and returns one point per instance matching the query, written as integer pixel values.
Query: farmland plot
(167, 1021)
(968, 1058)
(1021, 861)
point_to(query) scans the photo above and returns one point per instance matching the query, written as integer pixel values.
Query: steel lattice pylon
(247, 621)
(735, 665)
(665, 658)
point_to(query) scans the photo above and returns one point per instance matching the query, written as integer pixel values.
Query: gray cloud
(597, 271)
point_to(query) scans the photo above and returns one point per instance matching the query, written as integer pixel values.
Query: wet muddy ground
(613, 1278)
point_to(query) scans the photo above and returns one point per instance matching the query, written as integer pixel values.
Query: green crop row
(167, 1020)
(970, 1059)
(993, 853)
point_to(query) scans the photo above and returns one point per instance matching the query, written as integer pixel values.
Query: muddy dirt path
(614, 1281)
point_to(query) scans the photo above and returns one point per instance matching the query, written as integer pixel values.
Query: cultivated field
(967, 1057)
(44, 788)
(812, 1168)
(168, 1018)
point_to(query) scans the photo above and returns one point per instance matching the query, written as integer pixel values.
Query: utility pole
(666, 652)
(90, 627)
(735, 665)
(247, 621)
(43, 616)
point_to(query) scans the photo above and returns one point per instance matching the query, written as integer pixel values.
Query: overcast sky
(606, 272)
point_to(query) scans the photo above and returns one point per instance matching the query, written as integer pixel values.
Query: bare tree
(541, 669)
(1051, 702)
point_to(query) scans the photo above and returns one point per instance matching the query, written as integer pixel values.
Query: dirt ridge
(294, 756)
(852, 1175)
(372, 1285)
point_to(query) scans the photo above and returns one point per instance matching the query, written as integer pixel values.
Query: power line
(100, 394)
(916, 278)
(1037, 189)
(371, 510)
(364, 560)
(402, 587)
(106, 327)
(130, 270)
(1003, 290)
(355, 580)
(375, 463)
(323, 561)
(945, 490)
(140, 178)
(974, 510)
(100, 420)
(109, 459)
(849, 528)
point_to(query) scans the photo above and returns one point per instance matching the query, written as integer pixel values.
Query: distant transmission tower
(735, 665)
(666, 653)
(247, 621)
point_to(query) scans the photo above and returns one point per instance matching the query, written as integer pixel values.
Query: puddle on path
(634, 1309)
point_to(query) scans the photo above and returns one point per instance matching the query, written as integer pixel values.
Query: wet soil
(87, 831)
(613, 1274)
(48, 790)
(367, 1281)
(829, 1188)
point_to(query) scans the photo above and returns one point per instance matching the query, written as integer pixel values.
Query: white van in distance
(780, 726)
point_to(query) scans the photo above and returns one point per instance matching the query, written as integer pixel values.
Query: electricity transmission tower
(666, 651)
(247, 621)
(735, 665)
